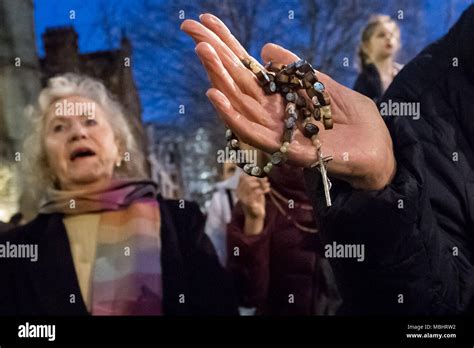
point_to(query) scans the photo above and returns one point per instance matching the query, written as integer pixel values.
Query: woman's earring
(118, 164)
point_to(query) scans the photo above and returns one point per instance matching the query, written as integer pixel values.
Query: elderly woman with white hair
(108, 244)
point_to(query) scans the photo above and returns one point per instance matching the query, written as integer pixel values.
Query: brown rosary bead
(327, 99)
(326, 111)
(254, 67)
(311, 92)
(290, 69)
(262, 77)
(327, 123)
(306, 67)
(300, 101)
(275, 68)
(306, 84)
(310, 78)
(323, 97)
(306, 112)
(295, 82)
(246, 62)
(327, 117)
(282, 78)
(270, 87)
(317, 114)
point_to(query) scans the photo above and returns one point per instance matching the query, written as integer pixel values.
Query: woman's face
(384, 42)
(80, 145)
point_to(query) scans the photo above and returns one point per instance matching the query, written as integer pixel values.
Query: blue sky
(50, 13)
(88, 14)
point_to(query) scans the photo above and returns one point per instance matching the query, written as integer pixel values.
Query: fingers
(246, 130)
(258, 192)
(244, 78)
(275, 53)
(253, 183)
(220, 29)
(220, 78)
(252, 186)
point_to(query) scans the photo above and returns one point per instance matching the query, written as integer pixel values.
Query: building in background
(181, 163)
(199, 166)
(165, 158)
(20, 77)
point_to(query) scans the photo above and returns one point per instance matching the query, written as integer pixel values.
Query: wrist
(253, 213)
(253, 225)
(378, 178)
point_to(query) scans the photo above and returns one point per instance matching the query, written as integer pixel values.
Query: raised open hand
(359, 142)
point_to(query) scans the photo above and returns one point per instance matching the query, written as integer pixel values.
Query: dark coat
(369, 84)
(418, 232)
(189, 265)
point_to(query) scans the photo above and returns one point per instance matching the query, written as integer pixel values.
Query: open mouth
(81, 153)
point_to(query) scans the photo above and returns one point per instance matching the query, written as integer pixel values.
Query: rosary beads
(288, 80)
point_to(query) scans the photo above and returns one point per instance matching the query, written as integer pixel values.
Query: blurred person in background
(379, 44)
(275, 253)
(220, 209)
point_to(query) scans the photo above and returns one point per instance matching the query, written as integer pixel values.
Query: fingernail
(200, 16)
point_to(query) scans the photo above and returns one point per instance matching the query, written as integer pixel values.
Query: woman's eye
(91, 122)
(58, 128)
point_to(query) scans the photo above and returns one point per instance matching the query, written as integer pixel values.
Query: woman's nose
(78, 131)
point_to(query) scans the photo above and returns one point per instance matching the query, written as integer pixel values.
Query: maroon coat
(281, 271)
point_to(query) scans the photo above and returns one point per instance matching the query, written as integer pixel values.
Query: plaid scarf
(126, 277)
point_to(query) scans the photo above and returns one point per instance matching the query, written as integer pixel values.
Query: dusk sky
(50, 13)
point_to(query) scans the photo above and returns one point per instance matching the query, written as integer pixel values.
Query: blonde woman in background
(380, 42)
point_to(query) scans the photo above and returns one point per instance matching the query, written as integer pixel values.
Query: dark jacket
(369, 84)
(4, 227)
(189, 265)
(418, 232)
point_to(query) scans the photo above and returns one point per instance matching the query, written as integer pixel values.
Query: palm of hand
(359, 142)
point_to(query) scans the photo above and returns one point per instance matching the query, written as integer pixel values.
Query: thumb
(276, 53)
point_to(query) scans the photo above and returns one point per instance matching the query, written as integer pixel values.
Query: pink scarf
(126, 276)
